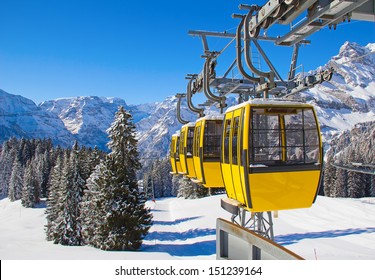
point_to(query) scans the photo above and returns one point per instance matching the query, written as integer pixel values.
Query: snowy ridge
(87, 118)
(349, 98)
(21, 117)
(155, 131)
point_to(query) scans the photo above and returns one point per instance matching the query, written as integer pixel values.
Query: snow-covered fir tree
(372, 187)
(340, 185)
(55, 202)
(92, 206)
(329, 174)
(74, 184)
(7, 157)
(175, 185)
(157, 181)
(190, 190)
(24, 151)
(119, 210)
(30, 188)
(16, 181)
(355, 146)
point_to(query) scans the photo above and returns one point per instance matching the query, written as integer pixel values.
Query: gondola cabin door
(232, 163)
(186, 150)
(172, 154)
(206, 151)
(177, 156)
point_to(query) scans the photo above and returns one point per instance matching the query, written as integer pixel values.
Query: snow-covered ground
(333, 229)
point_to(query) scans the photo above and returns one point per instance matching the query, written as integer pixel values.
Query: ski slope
(333, 229)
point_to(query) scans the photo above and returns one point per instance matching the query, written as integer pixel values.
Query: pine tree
(55, 202)
(148, 188)
(120, 208)
(157, 182)
(43, 167)
(92, 206)
(355, 186)
(85, 162)
(157, 179)
(30, 190)
(74, 185)
(191, 190)
(16, 181)
(339, 186)
(175, 185)
(165, 168)
(7, 157)
(367, 184)
(372, 188)
(329, 174)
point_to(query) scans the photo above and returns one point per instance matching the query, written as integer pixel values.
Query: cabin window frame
(226, 140)
(212, 140)
(177, 153)
(190, 141)
(171, 148)
(285, 143)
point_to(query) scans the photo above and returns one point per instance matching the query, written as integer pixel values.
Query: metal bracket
(178, 113)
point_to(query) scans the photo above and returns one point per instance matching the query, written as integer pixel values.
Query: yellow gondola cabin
(174, 155)
(186, 150)
(271, 155)
(207, 150)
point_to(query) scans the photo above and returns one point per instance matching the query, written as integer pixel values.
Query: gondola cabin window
(172, 151)
(190, 141)
(226, 140)
(235, 140)
(178, 149)
(283, 137)
(197, 138)
(182, 143)
(212, 138)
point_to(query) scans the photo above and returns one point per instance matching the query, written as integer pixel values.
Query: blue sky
(136, 50)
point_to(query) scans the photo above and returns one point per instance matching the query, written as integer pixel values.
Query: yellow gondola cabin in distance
(186, 150)
(174, 156)
(271, 155)
(207, 150)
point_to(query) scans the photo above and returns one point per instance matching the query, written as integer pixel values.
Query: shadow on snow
(172, 236)
(289, 239)
(204, 248)
(175, 222)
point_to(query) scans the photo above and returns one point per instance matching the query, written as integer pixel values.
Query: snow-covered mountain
(87, 118)
(21, 117)
(349, 98)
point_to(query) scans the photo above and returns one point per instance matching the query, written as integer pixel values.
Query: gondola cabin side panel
(188, 150)
(172, 151)
(181, 152)
(197, 150)
(207, 150)
(236, 151)
(177, 156)
(211, 150)
(226, 157)
(174, 154)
